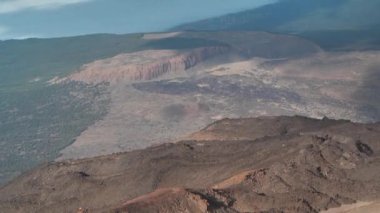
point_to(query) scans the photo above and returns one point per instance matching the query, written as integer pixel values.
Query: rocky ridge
(265, 164)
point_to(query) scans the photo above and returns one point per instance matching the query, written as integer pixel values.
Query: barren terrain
(275, 164)
(169, 102)
(126, 92)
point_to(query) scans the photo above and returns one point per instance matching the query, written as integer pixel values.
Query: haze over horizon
(21, 19)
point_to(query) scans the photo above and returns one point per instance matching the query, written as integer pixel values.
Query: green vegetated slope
(38, 119)
(334, 25)
(37, 123)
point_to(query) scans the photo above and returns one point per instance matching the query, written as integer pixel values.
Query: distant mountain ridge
(339, 24)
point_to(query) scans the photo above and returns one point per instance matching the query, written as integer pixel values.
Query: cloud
(3, 31)
(10, 6)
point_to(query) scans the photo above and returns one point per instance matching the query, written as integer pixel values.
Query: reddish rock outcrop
(162, 200)
(144, 65)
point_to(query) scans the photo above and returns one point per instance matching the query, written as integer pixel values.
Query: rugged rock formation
(270, 164)
(144, 65)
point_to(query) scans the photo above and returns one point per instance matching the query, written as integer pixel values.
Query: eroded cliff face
(144, 65)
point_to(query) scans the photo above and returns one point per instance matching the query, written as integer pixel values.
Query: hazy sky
(54, 18)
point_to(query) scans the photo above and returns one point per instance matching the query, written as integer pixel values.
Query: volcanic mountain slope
(265, 164)
(261, 81)
(296, 16)
(100, 94)
(52, 90)
(160, 95)
(339, 24)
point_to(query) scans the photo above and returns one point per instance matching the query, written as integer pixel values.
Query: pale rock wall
(144, 65)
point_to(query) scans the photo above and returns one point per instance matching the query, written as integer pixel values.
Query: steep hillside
(291, 164)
